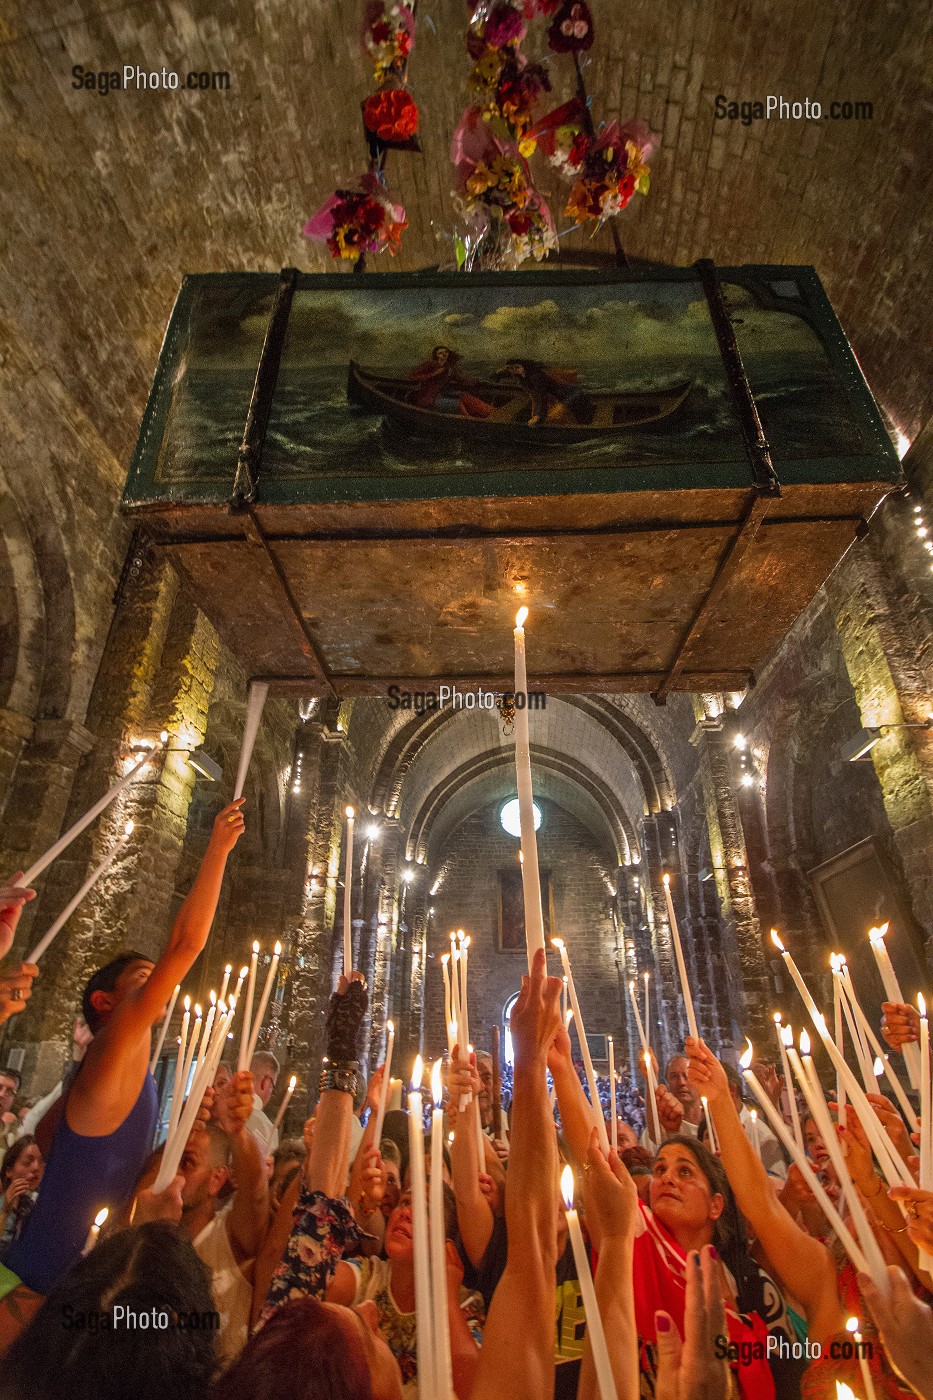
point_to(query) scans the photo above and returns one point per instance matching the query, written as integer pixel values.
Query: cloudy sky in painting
(610, 331)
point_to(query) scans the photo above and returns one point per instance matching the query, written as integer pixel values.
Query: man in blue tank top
(107, 1120)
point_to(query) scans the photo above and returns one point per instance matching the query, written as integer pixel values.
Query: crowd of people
(287, 1269)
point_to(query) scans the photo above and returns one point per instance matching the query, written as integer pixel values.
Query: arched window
(507, 1050)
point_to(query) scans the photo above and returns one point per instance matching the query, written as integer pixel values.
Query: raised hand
(374, 1089)
(609, 1195)
(229, 825)
(906, 1327)
(705, 1072)
(234, 1103)
(690, 1370)
(670, 1110)
(373, 1182)
(901, 1024)
(892, 1122)
(462, 1082)
(159, 1205)
(535, 1020)
(919, 1207)
(13, 895)
(16, 989)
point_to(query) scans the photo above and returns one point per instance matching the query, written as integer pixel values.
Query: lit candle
(287, 1099)
(785, 1038)
(855, 1028)
(844, 1392)
(584, 1048)
(88, 885)
(756, 1140)
(226, 982)
(886, 1066)
(795, 974)
(594, 1322)
(650, 1083)
(867, 1382)
(263, 1003)
(455, 990)
(384, 1087)
(612, 1096)
(647, 977)
(436, 1220)
(255, 703)
(347, 910)
(83, 822)
(166, 1019)
(563, 1000)
(531, 883)
(178, 1088)
(892, 988)
(710, 1130)
(926, 1116)
(94, 1233)
(813, 1093)
(799, 1157)
(464, 942)
(445, 960)
(424, 1311)
(207, 1068)
(246, 1028)
(681, 965)
(395, 1096)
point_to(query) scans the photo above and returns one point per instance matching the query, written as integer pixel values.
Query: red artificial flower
(391, 115)
(571, 29)
(519, 222)
(381, 33)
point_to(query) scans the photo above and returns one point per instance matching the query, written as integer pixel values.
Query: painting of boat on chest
(691, 412)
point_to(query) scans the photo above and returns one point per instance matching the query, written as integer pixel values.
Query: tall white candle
(867, 1382)
(756, 1137)
(287, 1100)
(893, 992)
(795, 974)
(813, 1093)
(651, 1104)
(850, 1001)
(886, 1067)
(445, 960)
(840, 1042)
(464, 942)
(166, 1021)
(799, 1157)
(88, 885)
(455, 992)
(614, 1111)
(785, 1038)
(264, 1001)
(247, 1026)
(83, 822)
(594, 1322)
(424, 1306)
(584, 1048)
(255, 704)
(926, 1115)
(563, 1000)
(384, 1087)
(178, 1088)
(347, 903)
(442, 1359)
(226, 982)
(94, 1232)
(647, 977)
(531, 883)
(710, 1130)
(681, 964)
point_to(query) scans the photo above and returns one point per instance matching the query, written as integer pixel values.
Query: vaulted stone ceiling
(107, 201)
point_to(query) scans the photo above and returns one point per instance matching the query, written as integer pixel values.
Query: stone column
(15, 731)
(658, 856)
(750, 988)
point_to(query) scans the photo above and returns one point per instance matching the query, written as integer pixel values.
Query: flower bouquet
(357, 221)
(390, 119)
(613, 168)
(388, 37)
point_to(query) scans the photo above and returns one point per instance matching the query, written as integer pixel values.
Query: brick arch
(617, 822)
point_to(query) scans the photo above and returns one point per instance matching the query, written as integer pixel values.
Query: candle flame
(566, 1186)
(128, 829)
(776, 941)
(777, 1018)
(350, 814)
(291, 1083)
(877, 1068)
(876, 935)
(787, 1035)
(631, 985)
(390, 1027)
(197, 1012)
(437, 1093)
(568, 1018)
(748, 1054)
(187, 1003)
(445, 958)
(277, 950)
(667, 879)
(844, 1392)
(646, 975)
(256, 946)
(704, 1100)
(557, 943)
(834, 961)
(101, 1216)
(753, 1114)
(520, 618)
(213, 996)
(921, 1004)
(467, 940)
(417, 1074)
(243, 972)
(804, 1043)
(852, 1324)
(228, 969)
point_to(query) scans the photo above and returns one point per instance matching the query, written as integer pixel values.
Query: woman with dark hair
(20, 1176)
(134, 1320)
(310, 1350)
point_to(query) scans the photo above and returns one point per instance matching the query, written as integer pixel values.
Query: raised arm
(611, 1208)
(576, 1115)
(248, 1218)
(523, 1303)
(474, 1215)
(805, 1265)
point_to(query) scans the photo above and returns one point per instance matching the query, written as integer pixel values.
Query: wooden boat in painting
(613, 413)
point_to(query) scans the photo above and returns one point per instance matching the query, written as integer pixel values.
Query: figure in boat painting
(523, 399)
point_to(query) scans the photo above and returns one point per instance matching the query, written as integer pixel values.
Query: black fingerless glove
(344, 1017)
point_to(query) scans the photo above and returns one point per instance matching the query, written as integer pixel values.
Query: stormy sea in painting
(489, 379)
